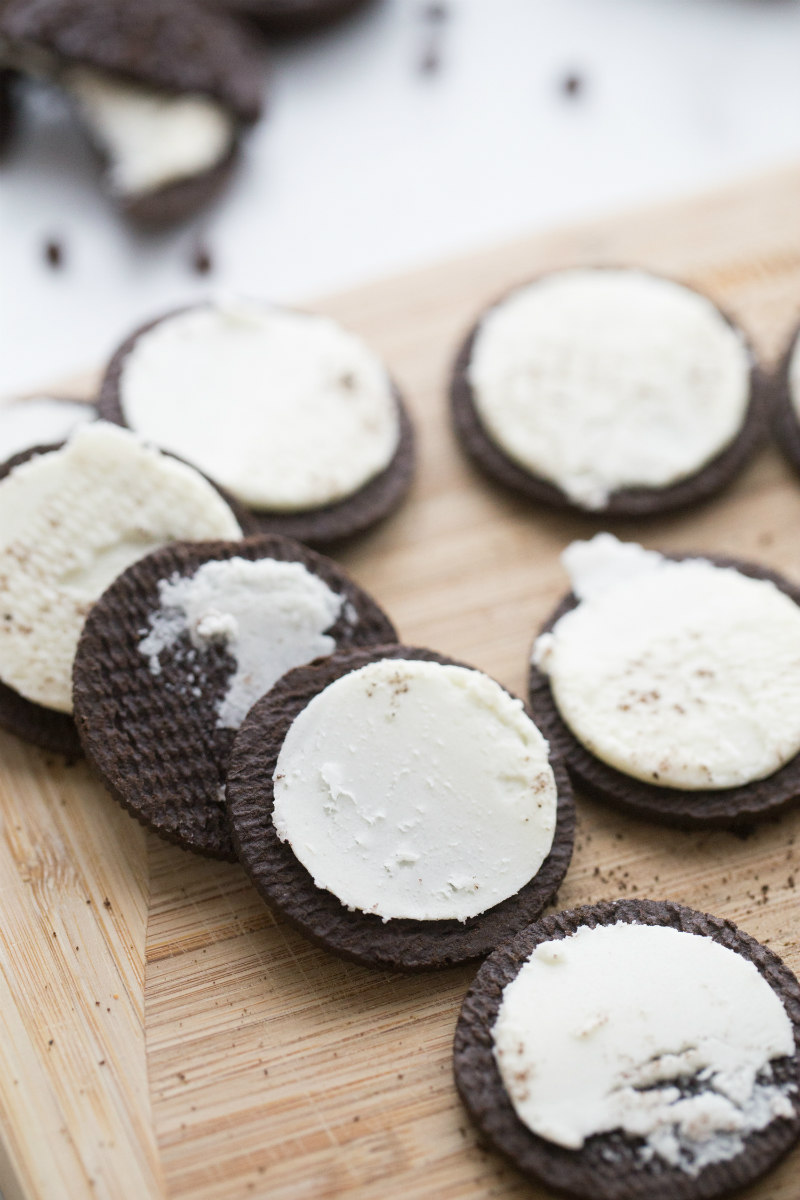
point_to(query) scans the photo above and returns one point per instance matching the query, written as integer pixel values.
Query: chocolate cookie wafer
(616, 392)
(667, 684)
(399, 808)
(634, 1050)
(293, 414)
(164, 91)
(178, 650)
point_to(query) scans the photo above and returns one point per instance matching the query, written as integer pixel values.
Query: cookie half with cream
(671, 686)
(611, 391)
(294, 415)
(399, 808)
(177, 651)
(163, 90)
(72, 518)
(635, 1050)
(786, 402)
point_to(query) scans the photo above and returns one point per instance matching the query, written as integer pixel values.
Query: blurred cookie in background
(163, 91)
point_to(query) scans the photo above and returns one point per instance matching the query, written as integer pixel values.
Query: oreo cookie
(679, 735)
(364, 796)
(286, 17)
(73, 516)
(163, 92)
(614, 392)
(177, 650)
(786, 403)
(7, 110)
(293, 414)
(662, 1116)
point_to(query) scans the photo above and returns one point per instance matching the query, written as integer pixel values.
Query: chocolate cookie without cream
(635, 1050)
(180, 647)
(164, 92)
(70, 520)
(672, 686)
(612, 391)
(297, 417)
(401, 809)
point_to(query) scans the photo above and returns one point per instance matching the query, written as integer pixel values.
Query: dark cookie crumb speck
(573, 85)
(202, 262)
(54, 253)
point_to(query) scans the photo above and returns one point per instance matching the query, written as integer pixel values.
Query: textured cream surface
(70, 522)
(287, 410)
(597, 1029)
(601, 380)
(270, 615)
(412, 789)
(681, 674)
(151, 138)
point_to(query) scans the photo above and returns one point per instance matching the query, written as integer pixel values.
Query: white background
(365, 165)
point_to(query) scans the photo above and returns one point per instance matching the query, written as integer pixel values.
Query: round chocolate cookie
(366, 937)
(176, 651)
(563, 408)
(164, 92)
(7, 110)
(291, 16)
(617, 1165)
(724, 807)
(34, 722)
(323, 504)
(786, 402)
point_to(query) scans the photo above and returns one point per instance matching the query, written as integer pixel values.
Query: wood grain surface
(227, 1058)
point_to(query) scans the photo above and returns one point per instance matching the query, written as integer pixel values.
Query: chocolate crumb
(202, 262)
(431, 62)
(54, 254)
(572, 85)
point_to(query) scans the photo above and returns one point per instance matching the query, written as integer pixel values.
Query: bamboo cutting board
(161, 1034)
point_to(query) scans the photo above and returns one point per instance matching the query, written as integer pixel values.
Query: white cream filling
(287, 410)
(597, 1030)
(70, 522)
(606, 379)
(39, 421)
(681, 674)
(151, 137)
(270, 615)
(412, 789)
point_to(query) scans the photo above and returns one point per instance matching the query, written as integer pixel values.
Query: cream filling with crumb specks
(70, 522)
(681, 674)
(412, 789)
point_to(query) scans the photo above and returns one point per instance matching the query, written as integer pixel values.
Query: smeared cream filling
(681, 674)
(287, 410)
(412, 789)
(70, 522)
(598, 380)
(604, 1029)
(152, 138)
(270, 615)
